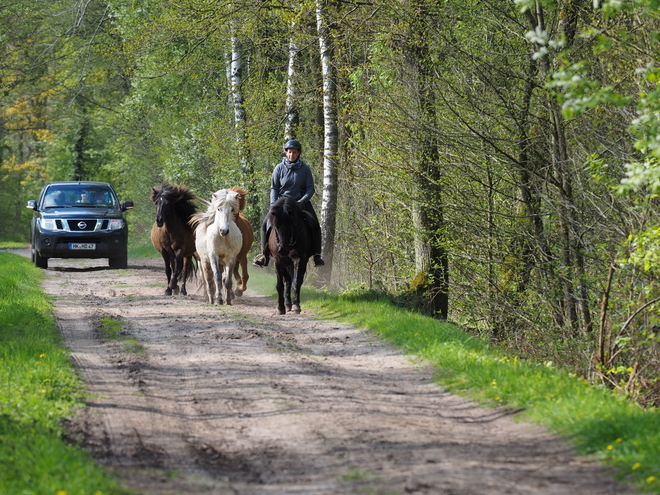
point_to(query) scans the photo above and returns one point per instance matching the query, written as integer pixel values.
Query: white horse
(218, 241)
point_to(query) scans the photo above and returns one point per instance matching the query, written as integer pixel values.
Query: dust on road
(200, 399)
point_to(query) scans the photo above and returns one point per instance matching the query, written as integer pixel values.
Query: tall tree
(330, 133)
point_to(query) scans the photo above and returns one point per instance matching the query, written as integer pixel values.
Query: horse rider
(292, 178)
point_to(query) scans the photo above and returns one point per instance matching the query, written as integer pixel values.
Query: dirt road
(199, 399)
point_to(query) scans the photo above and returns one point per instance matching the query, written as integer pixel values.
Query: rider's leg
(262, 258)
(316, 234)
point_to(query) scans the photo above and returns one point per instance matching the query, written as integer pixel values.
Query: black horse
(290, 244)
(172, 236)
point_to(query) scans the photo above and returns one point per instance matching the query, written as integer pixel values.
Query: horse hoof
(238, 293)
(282, 311)
(296, 310)
(168, 292)
(184, 292)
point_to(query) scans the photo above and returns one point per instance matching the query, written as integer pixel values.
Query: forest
(494, 163)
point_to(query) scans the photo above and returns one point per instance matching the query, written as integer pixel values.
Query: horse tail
(194, 268)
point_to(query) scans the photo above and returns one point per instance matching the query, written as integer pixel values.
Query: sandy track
(240, 400)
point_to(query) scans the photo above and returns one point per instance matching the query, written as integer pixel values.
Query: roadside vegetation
(39, 390)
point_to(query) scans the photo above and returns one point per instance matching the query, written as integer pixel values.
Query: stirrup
(260, 260)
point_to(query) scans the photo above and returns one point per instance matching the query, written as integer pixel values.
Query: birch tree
(330, 135)
(291, 108)
(236, 63)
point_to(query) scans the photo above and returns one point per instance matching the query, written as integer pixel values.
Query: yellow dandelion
(637, 465)
(610, 447)
(41, 355)
(650, 479)
(619, 440)
(61, 492)
(493, 382)
(497, 398)
(43, 392)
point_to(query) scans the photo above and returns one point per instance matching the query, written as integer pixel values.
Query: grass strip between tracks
(600, 424)
(38, 390)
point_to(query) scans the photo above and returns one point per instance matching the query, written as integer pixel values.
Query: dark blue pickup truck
(79, 220)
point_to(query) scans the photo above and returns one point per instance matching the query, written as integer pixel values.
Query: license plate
(84, 246)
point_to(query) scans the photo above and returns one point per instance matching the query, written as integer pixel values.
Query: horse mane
(241, 196)
(182, 199)
(207, 217)
(285, 207)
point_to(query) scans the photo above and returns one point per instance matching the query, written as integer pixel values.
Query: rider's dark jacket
(292, 180)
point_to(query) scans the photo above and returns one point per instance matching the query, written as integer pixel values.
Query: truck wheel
(119, 262)
(40, 261)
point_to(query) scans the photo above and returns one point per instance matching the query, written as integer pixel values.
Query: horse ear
(154, 193)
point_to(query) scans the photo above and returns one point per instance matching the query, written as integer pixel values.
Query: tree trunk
(431, 257)
(330, 139)
(240, 124)
(292, 117)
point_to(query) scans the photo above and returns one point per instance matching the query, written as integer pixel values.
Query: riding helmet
(292, 143)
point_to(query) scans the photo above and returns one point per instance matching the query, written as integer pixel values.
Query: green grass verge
(142, 250)
(599, 423)
(13, 245)
(38, 389)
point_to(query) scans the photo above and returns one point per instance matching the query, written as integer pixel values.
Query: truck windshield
(79, 195)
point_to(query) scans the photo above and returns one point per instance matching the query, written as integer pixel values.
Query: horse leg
(207, 275)
(176, 272)
(168, 271)
(217, 277)
(184, 274)
(280, 288)
(287, 287)
(228, 274)
(298, 277)
(241, 280)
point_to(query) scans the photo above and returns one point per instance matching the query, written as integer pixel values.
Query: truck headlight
(48, 224)
(116, 224)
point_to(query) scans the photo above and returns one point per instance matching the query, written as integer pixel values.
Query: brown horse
(291, 244)
(172, 235)
(248, 238)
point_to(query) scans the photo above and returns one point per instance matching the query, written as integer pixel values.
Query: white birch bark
(291, 89)
(236, 75)
(330, 134)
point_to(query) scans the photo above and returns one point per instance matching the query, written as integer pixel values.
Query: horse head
(173, 200)
(159, 195)
(286, 220)
(225, 206)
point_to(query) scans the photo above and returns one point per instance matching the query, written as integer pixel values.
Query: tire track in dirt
(239, 400)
